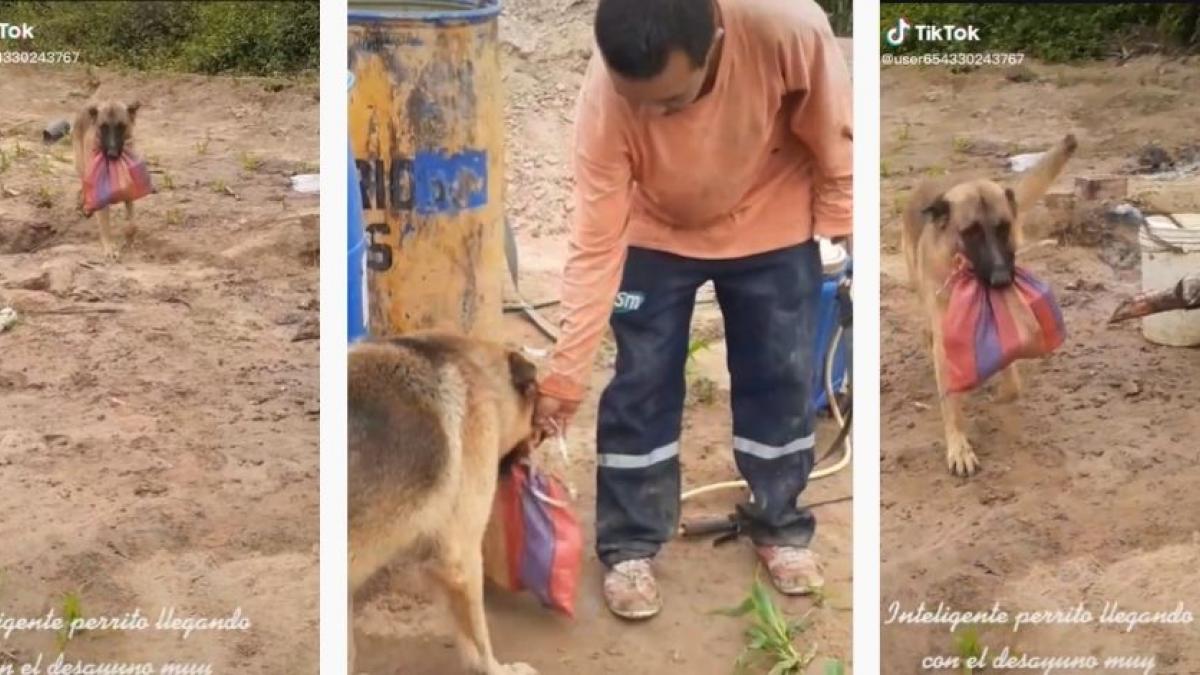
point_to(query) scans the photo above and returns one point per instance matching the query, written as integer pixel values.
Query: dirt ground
(545, 48)
(1088, 488)
(158, 416)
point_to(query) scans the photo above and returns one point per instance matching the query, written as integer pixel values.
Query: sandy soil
(158, 419)
(545, 48)
(1087, 493)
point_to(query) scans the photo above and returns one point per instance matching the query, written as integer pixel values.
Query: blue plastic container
(830, 309)
(356, 263)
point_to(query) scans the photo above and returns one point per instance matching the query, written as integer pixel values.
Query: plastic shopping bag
(533, 539)
(112, 181)
(986, 329)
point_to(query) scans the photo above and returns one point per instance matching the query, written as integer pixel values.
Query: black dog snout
(999, 278)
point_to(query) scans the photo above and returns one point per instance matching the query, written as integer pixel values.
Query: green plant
(771, 636)
(250, 162)
(43, 198)
(5, 162)
(968, 648)
(167, 182)
(72, 610)
(202, 146)
(841, 16)
(834, 667)
(696, 346)
(174, 217)
(961, 144)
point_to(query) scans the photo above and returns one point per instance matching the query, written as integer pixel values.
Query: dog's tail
(1037, 181)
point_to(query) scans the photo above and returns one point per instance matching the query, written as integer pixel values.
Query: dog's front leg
(106, 242)
(1010, 385)
(462, 578)
(130, 225)
(960, 457)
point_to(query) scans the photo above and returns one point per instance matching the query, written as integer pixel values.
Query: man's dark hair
(636, 36)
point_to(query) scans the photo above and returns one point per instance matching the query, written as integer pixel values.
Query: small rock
(39, 283)
(1131, 388)
(149, 489)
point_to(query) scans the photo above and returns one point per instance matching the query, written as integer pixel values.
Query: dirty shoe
(793, 570)
(631, 591)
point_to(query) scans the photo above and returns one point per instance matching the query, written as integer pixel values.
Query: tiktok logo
(895, 37)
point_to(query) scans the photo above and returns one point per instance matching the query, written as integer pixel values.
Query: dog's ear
(938, 211)
(133, 108)
(1012, 199)
(93, 111)
(524, 374)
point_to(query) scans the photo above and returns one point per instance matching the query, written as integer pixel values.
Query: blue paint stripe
(438, 181)
(455, 12)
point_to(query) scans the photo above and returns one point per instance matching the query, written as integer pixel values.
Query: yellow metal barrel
(427, 135)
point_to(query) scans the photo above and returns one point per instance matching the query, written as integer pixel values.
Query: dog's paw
(960, 458)
(516, 669)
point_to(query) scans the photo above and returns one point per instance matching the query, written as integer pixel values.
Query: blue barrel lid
(425, 11)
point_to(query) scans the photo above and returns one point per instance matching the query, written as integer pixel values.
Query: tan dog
(981, 220)
(431, 416)
(109, 128)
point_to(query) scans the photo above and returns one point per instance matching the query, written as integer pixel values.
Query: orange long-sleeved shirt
(760, 162)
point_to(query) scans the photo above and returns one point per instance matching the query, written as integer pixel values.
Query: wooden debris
(1101, 188)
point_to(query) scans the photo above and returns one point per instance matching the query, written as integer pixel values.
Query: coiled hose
(838, 416)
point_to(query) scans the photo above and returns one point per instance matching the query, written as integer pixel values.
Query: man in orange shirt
(712, 142)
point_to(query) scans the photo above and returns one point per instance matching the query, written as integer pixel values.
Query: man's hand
(551, 416)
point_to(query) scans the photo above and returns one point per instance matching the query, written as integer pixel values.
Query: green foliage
(1051, 32)
(841, 16)
(770, 638)
(71, 609)
(243, 38)
(967, 646)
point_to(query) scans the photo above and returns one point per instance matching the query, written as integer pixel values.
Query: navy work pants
(769, 302)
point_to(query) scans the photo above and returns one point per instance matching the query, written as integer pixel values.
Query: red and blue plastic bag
(984, 330)
(534, 541)
(112, 181)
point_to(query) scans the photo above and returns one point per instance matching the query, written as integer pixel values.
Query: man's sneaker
(631, 591)
(793, 570)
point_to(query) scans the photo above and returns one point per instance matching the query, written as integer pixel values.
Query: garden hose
(843, 437)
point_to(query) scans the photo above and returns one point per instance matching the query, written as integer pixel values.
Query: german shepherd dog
(107, 126)
(431, 417)
(981, 220)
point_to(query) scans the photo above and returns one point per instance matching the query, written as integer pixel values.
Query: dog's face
(114, 125)
(981, 215)
(524, 381)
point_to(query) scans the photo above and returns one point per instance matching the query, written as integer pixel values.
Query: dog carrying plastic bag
(112, 181)
(985, 329)
(533, 540)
